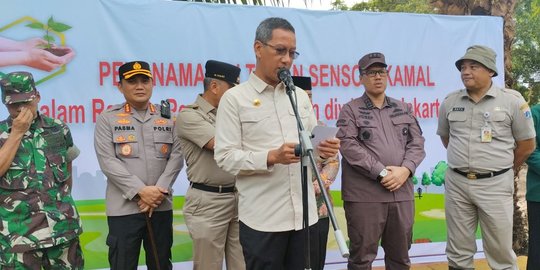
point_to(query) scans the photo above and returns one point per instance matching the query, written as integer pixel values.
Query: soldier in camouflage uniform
(39, 224)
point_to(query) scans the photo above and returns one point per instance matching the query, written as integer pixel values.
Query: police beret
(302, 82)
(371, 58)
(222, 71)
(130, 69)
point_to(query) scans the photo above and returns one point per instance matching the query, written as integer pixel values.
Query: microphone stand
(306, 148)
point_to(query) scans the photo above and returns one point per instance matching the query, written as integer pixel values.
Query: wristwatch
(382, 174)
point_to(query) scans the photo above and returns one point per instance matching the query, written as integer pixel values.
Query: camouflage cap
(18, 87)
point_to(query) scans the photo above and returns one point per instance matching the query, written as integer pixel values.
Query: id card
(486, 134)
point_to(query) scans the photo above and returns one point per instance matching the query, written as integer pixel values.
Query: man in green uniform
(211, 207)
(39, 224)
(533, 197)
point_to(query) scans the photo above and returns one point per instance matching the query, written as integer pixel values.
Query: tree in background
(526, 50)
(437, 176)
(415, 180)
(426, 180)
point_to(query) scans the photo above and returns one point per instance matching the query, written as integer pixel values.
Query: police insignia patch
(164, 149)
(131, 137)
(125, 149)
(120, 139)
(123, 121)
(160, 121)
(122, 114)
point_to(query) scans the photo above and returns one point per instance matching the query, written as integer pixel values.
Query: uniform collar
(129, 109)
(205, 106)
(260, 85)
(369, 104)
(492, 92)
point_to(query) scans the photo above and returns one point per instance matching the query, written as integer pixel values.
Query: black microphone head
(283, 74)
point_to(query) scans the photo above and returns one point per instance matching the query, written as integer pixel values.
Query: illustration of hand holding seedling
(39, 53)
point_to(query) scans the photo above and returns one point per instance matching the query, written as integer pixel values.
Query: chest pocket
(126, 145)
(366, 132)
(501, 124)
(402, 125)
(254, 122)
(56, 153)
(163, 142)
(16, 178)
(458, 121)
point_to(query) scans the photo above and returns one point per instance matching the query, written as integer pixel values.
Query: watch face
(384, 173)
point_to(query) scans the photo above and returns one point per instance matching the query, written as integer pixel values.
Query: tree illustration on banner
(51, 27)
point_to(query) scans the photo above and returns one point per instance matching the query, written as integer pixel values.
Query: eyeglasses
(283, 51)
(373, 73)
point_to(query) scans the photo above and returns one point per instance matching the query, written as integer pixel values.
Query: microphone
(285, 76)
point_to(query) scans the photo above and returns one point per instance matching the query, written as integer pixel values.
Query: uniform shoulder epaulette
(192, 106)
(512, 92)
(114, 107)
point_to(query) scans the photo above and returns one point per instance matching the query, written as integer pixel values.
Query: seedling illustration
(51, 27)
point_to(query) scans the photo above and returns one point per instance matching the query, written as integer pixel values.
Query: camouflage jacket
(36, 207)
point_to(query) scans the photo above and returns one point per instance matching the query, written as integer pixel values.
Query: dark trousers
(126, 234)
(533, 260)
(322, 227)
(277, 250)
(390, 222)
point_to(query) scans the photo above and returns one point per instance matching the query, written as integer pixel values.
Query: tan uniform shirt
(134, 152)
(461, 120)
(195, 125)
(252, 119)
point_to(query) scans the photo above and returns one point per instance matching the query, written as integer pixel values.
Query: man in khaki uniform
(489, 133)
(139, 153)
(211, 207)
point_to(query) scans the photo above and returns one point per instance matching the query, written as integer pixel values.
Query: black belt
(219, 189)
(474, 176)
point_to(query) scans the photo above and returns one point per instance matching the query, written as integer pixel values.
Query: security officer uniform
(135, 150)
(39, 223)
(211, 205)
(479, 184)
(371, 139)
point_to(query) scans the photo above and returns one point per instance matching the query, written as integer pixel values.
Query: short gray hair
(265, 28)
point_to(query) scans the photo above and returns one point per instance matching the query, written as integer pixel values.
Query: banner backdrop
(177, 38)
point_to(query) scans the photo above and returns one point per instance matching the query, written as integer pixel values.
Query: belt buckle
(219, 188)
(471, 176)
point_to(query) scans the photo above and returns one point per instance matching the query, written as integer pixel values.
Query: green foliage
(437, 176)
(410, 6)
(426, 179)
(52, 26)
(415, 180)
(526, 50)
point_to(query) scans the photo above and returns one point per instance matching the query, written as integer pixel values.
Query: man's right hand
(22, 122)
(283, 155)
(152, 195)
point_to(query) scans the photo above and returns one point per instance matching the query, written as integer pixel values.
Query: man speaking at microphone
(256, 133)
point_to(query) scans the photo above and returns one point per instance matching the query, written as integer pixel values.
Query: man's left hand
(328, 148)
(399, 176)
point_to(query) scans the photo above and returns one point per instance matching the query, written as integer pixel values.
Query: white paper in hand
(321, 133)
